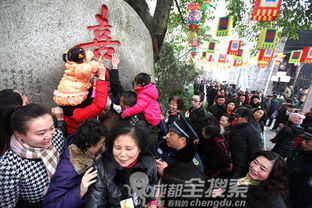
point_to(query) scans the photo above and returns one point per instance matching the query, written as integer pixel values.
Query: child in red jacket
(147, 95)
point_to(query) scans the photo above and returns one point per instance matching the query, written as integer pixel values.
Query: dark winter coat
(188, 154)
(281, 118)
(244, 142)
(300, 179)
(113, 182)
(197, 118)
(217, 110)
(285, 140)
(64, 190)
(215, 155)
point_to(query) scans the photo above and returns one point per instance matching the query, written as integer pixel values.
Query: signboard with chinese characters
(52, 27)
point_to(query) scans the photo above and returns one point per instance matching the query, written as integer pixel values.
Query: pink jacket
(146, 102)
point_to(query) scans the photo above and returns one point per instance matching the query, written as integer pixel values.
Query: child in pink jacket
(147, 95)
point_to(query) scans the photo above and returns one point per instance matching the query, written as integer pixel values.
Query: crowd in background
(95, 146)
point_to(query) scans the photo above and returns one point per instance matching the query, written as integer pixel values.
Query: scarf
(247, 181)
(50, 156)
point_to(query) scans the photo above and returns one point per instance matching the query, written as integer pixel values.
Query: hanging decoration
(266, 55)
(279, 58)
(238, 63)
(193, 28)
(205, 5)
(222, 58)
(210, 58)
(234, 47)
(204, 55)
(239, 56)
(263, 64)
(306, 56)
(268, 38)
(194, 6)
(224, 26)
(295, 57)
(194, 17)
(266, 10)
(211, 47)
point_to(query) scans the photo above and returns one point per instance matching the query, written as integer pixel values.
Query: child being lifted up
(147, 95)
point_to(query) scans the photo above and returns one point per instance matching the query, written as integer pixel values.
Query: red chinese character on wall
(102, 39)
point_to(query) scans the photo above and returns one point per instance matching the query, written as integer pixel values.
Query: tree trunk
(156, 24)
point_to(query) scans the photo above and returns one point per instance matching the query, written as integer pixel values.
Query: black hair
(277, 182)
(24, 114)
(9, 97)
(264, 115)
(212, 130)
(179, 100)
(5, 127)
(219, 96)
(75, 54)
(173, 176)
(129, 98)
(138, 134)
(230, 118)
(142, 79)
(89, 133)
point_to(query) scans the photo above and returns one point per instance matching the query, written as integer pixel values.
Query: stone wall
(35, 34)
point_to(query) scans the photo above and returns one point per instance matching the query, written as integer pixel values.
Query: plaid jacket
(24, 178)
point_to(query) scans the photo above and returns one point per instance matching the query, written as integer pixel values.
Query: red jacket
(147, 103)
(91, 111)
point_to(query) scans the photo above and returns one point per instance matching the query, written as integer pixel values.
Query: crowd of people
(97, 149)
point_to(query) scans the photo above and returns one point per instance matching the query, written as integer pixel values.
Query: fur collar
(80, 160)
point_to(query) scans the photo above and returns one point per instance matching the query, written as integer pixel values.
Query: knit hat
(296, 118)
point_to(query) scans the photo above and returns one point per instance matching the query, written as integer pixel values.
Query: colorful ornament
(234, 47)
(225, 25)
(306, 56)
(194, 17)
(266, 10)
(295, 57)
(222, 58)
(211, 47)
(268, 38)
(266, 55)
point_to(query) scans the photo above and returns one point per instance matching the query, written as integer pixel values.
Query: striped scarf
(50, 156)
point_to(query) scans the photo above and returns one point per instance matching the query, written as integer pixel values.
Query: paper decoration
(306, 56)
(210, 58)
(193, 28)
(204, 56)
(222, 58)
(295, 57)
(266, 55)
(194, 6)
(279, 58)
(225, 25)
(268, 38)
(238, 63)
(234, 47)
(239, 56)
(205, 5)
(266, 10)
(263, 64)
(194, 17)
(211, 47)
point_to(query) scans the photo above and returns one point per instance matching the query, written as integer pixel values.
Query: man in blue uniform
(178, 146)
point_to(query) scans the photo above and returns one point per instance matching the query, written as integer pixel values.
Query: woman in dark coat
(125, 160)
(73, 175)
(214, 152)
(265, 184)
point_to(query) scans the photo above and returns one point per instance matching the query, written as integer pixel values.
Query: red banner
(306, 56)
(266, 10)
(266, 55)
(234, 47)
